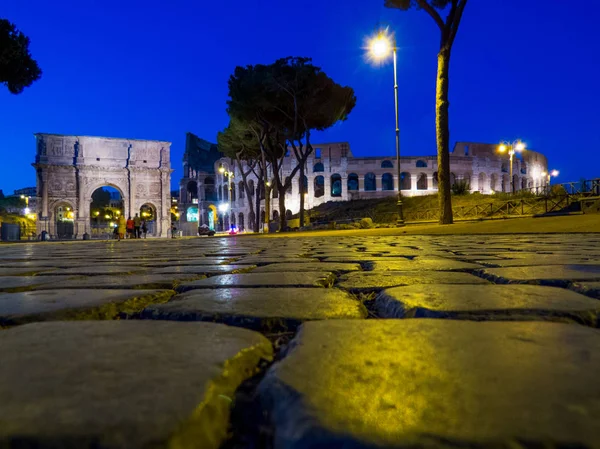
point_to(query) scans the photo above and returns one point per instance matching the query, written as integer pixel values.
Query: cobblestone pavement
(302, 342)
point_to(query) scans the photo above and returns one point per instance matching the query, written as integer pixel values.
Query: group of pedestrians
(132, 228)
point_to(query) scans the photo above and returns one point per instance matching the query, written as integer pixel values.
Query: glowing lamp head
(502, 148)
(221, 169)
(520, 146)
(22, 197)
(223, 207)
(543, 173)
(554, 173)
(107, 216)
(26, 210)
(380, 46)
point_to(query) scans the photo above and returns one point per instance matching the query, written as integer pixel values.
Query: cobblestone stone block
(122, 384)
(433, 383)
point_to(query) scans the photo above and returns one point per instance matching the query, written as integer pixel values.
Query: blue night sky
(155, 70)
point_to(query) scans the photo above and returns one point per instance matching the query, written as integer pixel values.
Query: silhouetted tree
(18, 69)
(239, 144)
(448, 29)
(308, 100)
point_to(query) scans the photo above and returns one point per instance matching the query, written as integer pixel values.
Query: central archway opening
(148, 223)
(106, 211)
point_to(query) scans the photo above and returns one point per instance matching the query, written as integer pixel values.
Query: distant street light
(512, 148)
(550, 174)
(380, 46)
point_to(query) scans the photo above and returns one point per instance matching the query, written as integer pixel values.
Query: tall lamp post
(380, 46)
(512, 148)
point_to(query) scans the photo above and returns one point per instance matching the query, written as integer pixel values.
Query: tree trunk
(443, 137)
(266, 189)
(256, 224)
(302, 192)
(282, 217)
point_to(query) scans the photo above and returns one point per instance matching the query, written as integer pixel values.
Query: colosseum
(218, 200)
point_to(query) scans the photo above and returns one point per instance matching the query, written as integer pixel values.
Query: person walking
(122, 227)
(144, 228)
(130, 228)
(137, 222)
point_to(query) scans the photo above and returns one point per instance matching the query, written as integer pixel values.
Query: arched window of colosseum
(275, 215)
(232, 191)
(319, 186)
(370, 182)
(220, 193)
(289, 189)
(435, 180)
(210, 193)
(275, 192)
(481, 183)
(241, 224)
(422, 182)
(336, 185)
(225, 192)
(352, 182)
(387, 181)
(523, 183)
(452, 179)
(387, 164)
(192, 189)
(505, 183)
(421, 164)
(494, 182)
(241, 190)
(405, 183)
(318, 168)
(262, 216)
(251, 187)
(288, 214)
(504, 167)
(515, 183)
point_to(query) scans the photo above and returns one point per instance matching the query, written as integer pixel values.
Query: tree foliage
(280, 104)
(18, 69)
(448, 29)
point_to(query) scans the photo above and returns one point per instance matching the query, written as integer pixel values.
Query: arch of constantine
(70, 168)
(334, 174)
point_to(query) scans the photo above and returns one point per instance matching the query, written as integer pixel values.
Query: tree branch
(433, 13)
(456, 21)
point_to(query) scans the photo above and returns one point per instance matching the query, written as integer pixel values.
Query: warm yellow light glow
(22, 197)
(268, 184)
(111, 224)
(380, 46)
(68, 208)
(31, 216)
(520, 146)
(221, 169)
(554, 173)
(543, 173)
(107, 216)
(96, 213)
(502, 148)
(118, 212)
(231, 174)
(177, 214)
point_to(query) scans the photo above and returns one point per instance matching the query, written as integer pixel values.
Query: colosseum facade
(218, 200)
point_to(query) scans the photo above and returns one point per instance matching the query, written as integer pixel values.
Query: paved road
(349, 341)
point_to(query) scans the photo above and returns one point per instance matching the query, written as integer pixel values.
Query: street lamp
(550, 174)
(223, 207)
(380, 46)
(512, 148)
